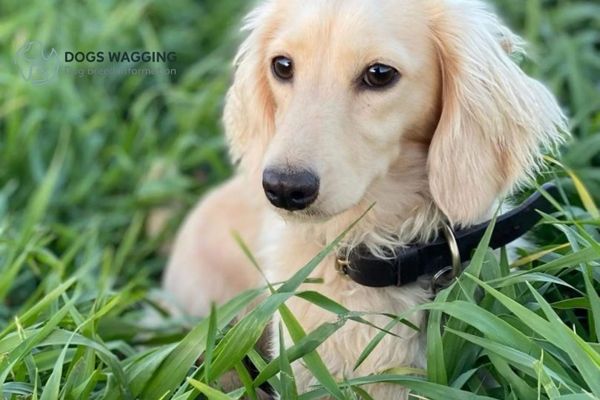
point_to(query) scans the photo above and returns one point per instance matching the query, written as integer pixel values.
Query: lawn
(85, 160)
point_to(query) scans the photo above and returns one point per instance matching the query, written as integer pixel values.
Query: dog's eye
(379, 76)
(283, 68)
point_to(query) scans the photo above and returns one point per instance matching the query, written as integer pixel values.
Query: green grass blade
(178, 363)
(286, 375)
(210, 393)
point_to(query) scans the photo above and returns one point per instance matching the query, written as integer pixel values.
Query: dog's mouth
(317, 213)
(308, 215)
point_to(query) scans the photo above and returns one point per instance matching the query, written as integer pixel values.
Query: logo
(36, 64)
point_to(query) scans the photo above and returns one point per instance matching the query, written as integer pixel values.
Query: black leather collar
(418, 260)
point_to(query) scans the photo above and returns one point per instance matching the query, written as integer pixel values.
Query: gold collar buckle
(446, 276)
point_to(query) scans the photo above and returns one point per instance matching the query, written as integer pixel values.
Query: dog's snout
(290, 190)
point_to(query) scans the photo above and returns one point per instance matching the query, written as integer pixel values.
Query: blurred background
(83, 160)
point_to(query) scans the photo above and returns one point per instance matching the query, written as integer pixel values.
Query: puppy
(416, 106)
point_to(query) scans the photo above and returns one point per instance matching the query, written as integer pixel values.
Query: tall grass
(84, 160)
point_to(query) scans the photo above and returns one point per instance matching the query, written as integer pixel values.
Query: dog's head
(329, 95)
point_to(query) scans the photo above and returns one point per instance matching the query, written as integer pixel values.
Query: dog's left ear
(495, 121)
(249, 109)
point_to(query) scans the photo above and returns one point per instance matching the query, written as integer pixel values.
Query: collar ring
(444, 277)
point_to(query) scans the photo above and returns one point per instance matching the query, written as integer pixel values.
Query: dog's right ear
(249, 108)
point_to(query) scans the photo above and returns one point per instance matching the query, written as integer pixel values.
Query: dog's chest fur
(286, 253)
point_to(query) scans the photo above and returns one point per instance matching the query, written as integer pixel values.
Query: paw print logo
(36, 64)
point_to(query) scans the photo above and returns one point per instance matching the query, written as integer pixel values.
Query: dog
(415, 106)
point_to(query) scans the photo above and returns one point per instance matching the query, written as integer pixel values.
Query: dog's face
(330, 94)
(348, 82)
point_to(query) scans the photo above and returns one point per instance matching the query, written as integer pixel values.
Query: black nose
(290, 190)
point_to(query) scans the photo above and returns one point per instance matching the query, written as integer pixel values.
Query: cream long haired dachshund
(416, 106)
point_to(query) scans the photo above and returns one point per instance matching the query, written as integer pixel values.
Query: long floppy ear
(249, 109)
(495, 121)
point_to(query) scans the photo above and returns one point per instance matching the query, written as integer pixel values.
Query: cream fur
(462, 128)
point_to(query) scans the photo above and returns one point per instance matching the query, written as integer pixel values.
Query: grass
(79, 275)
